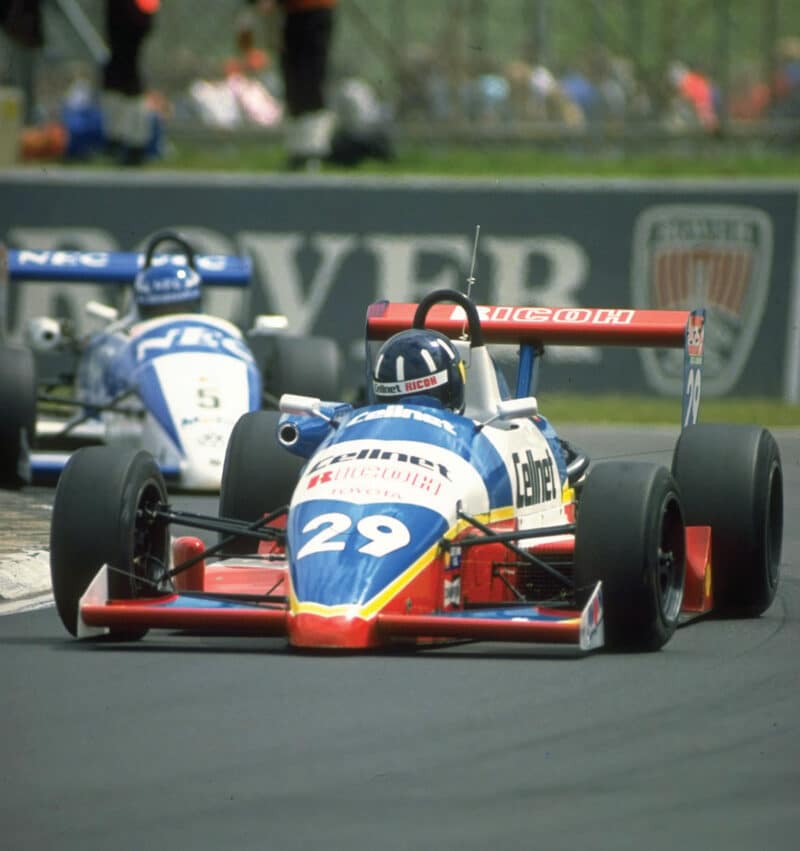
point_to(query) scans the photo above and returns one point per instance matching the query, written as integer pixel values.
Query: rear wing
(118, 267)
(533, 327)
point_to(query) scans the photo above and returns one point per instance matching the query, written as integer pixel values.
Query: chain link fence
(509, 68)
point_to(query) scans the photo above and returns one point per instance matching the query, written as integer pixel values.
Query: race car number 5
(384, 534)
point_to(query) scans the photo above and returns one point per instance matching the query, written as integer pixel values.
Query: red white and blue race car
(426, 516)
(163, 377)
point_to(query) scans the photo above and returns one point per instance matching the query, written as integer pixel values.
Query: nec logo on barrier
(562, 315)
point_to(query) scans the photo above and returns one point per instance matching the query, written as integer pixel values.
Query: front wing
(232, 615)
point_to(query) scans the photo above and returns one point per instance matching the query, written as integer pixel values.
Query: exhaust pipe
(288, 435)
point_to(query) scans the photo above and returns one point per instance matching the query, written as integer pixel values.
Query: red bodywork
(488, 573)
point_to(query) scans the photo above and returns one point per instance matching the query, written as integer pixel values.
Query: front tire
(101, 516)
(731, 479)
(18, 420)
(258, 476)
(307, 366)
(630, 535)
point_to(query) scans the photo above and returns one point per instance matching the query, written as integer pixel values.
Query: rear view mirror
(289, 403)
(514, 409)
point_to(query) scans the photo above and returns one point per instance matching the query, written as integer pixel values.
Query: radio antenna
(471, 278)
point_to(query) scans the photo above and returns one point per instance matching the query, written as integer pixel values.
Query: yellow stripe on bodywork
(373, 606)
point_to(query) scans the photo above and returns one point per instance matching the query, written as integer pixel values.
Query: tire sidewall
(94, 523)
(621, 514)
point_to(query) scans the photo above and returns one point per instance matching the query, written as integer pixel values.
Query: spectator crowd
(328, 112)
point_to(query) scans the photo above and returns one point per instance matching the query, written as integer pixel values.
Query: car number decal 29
(384, 534)
(692, 403)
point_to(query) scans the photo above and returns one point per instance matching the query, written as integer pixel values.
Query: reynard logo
(712, 256)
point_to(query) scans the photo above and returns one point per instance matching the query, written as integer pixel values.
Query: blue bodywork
(380, 538)
(114, 363)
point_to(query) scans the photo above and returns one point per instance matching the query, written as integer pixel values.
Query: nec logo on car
(536, 481)
(191, 337)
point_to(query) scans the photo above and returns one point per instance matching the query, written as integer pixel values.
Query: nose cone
(344, 631)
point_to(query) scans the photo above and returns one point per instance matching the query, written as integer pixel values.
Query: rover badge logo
(688, 256)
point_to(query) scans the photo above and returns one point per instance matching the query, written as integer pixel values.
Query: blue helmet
(159, 290)
(420, 363)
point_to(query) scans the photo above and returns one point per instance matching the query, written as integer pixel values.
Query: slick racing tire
(100, 517)
(630, 534)
(731, 479)
(307, 366)
(18, 420)
(258, 476)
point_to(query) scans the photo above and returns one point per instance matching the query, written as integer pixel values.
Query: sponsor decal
(535, 479)
(414, 385)
(694, 337)
(693, 367)
(190, 337)
(359, 474)
(105, 260)
(378, 454)
(67, 259)
(355, 493)
(716, 257)
(454, 560)
(401, 412)
(452, 592)
(560, 315)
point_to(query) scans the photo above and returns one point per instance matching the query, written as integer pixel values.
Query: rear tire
(630, 535)
(306, 366)
(731, 479)
(99, 518)
(259, 475)
(18, 420)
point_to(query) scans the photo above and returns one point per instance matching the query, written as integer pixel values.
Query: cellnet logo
(413, 385)
(714, 256)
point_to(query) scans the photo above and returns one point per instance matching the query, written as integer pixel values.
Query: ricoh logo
(713, 256)
(559, 316)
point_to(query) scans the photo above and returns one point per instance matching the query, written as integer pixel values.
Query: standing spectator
(21, 25)
(696, 93)
(306, 35)
(128, 122)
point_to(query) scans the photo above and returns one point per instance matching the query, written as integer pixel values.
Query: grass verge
(622, 409)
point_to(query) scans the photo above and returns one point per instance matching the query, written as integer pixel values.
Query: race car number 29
(383, 534)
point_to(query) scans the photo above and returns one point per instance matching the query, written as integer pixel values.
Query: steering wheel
(168, 236)
(440, 296)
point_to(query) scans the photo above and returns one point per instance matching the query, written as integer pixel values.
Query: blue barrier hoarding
(322, 248)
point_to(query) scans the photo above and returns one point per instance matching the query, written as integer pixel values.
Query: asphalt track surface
(207, 743)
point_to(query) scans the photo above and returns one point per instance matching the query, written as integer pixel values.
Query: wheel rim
(774, 526)
(670, 566)
(150, 562)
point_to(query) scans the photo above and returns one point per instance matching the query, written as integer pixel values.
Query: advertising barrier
(323, 248)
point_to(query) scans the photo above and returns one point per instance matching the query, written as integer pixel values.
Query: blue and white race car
(443, 510)
(162, 377)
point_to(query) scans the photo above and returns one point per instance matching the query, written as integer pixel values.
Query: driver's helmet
(420, 366)
(160, 290)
